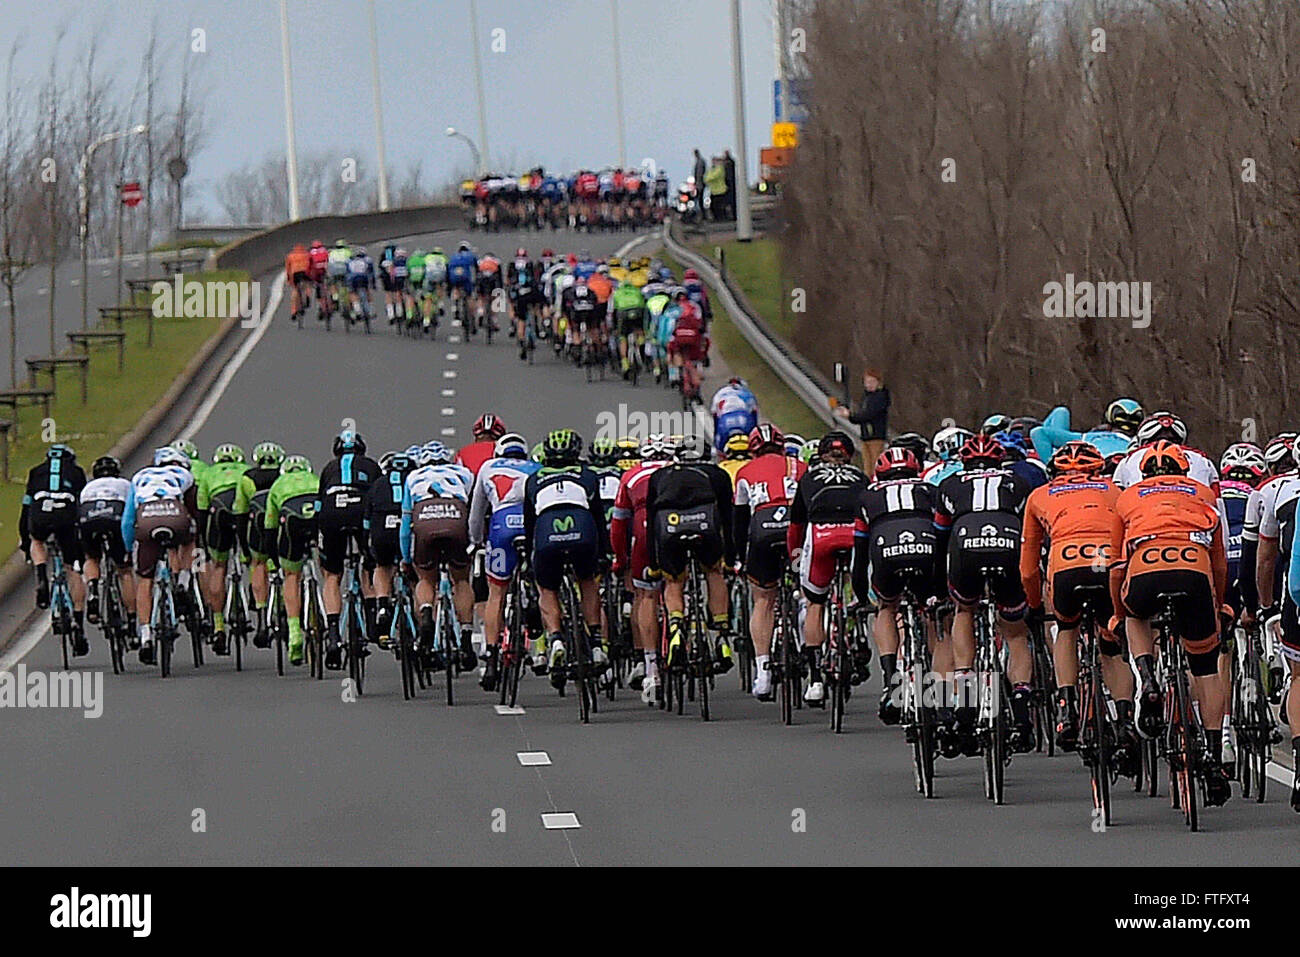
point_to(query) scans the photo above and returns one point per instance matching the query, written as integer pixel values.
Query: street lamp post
(478, 78)
(478, 160)
(291, 142)
(618, 87)
(379, 110)
(83, 206)
(744, 224)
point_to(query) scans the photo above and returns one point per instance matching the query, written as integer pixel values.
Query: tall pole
(618, 88)
(291, 142)
(478, 84)
(379, 109)
(782, 61)
(744, 224)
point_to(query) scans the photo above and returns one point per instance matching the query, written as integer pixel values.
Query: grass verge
(776, 401)
(116, 400)
(755, 267)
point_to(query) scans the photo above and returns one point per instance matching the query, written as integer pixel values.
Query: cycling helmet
(897, 462)
(295, 463)
(349, 441)
(437, 453)
(400, 463)
(1112, 463)
(603, 452)
(60, 451)
(690, 274)
(548, 253)
(340, 244)
(793, 443)
(765, 438)
(738, 382)
(995, 423)
(948, 442)
(189, 448)
(1165, 458)
(1162, 425)
(835, 442)
(437, 251)
(386, 461)
(615, 261)
(1124, 415)
(736, 447)
(692, 448)
(317, 244)
(511, 446)
(808, 452)
(915, 443)
(981, 451)
(1014, 444)
(562, 447)
(170, 455)
(464, 246)
(106, 466)
(228, 452)
(629, 452)
(656, 448)
(521, 253)
(489, 423)
(1076, 458)
(268, 455)
(1243, 461)
(1024, 424)
(538, 453)
(1279, 454)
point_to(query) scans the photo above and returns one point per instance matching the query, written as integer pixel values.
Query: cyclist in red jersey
(487, 430)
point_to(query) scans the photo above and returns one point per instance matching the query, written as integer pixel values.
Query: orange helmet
(1165, 458)
(1074, 458)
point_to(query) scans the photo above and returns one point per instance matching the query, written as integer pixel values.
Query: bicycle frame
(1182, 740)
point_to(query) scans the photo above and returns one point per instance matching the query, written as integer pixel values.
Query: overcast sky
(550, 93)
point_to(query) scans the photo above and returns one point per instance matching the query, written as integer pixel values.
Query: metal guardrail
(806, 383)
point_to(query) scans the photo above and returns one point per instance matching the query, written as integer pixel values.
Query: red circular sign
(131, 194)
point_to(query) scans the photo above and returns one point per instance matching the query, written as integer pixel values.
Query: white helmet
(1243, 456)
(948, 442)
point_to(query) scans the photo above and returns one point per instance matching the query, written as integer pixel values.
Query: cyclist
(318, 258)
(50, 510)
(191, 452)
(894, 548)
(399, 303)
(1166, 427)
(1123, 416)
(1074, 518)
(163, 496)
(487, 429)
(689, 345)
(822, 514)
(250, 513)
(289, 527)
(947, 444)
(698, 295)
(995, 423)
(382, 520)
(435, 273)
(344, 482)
(564, 524)
(629, 315)
(435, 531)
(361, 279)
(1170, 540)
(218, 529)
(1291, 651)
(103, 503)
(765, 485)
(297, 272)
(735, 453)
(978, 516)
(628, 537)
(1279, 461)
(689, 512)
(524, 281)
(735, 411)
(1016, 457)
(496, 521)
(488, 280)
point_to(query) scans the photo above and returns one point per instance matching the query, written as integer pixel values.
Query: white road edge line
(32, 636)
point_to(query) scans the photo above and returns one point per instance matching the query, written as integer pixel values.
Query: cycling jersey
(162, 499)
(297, 262)
(822, 516)
(415, 269)
(250, 506)
(290, 520)
(50, 505)
(496, 514)
(628, 524)
(1129, 470)
(895, 541)
(102, 504)
(475, 454)
(317, 257)
(977, 514)
(435, 516)
(1074, 517)
(344, 483)
(689, 512)
(382, 517)
(217, 490)
(564, 522)
(764, 489)
(461, 269)
(435, 269)
(735, 411)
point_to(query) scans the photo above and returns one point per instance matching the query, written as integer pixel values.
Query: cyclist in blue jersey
(1016, 458)
(462, 269)
(1122, 416)
(735, 411)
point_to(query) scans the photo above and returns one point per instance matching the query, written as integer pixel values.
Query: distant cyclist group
(609, 199)
(1024, 586)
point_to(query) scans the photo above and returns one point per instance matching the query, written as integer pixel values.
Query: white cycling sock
(146, 633)
(651, 665)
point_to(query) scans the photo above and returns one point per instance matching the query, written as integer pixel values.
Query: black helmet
(106, 467)
(349, 441)
(836, 441)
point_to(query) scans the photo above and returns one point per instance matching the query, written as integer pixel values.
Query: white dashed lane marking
(449, 373)
(560, 821)
(533, 759)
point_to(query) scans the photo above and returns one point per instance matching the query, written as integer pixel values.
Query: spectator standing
(729, 171)
(698, 171)
(871, 416)
(716, 178)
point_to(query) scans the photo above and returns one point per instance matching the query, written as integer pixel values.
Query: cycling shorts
(338, 527)
(440, 527)
(565, 536)
(259, 538)
(821, 545)
(101, 535)
(219, 533)
(155, 522)
(1067, 597)
(385, 538)
(296, 534)
(686, 532)
(629, 321)
(766, 556)
(504, 527)
(902, 553)
(336, 270)
(358, 282)
(1196, 611)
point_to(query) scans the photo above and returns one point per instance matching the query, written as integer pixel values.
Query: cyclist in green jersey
(629, 310)
(192, 451)
(250, 511)
(290, 522)
(218, 528)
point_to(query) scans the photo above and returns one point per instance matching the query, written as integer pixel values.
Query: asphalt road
(285, 771)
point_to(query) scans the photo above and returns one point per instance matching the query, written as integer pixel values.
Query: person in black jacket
(689, 512)
(50, 511)
(871, 416)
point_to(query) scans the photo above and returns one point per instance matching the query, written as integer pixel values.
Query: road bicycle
(838, 666)
(692, 674)
(314, 620)
(1043, 694)
(786, 662)
(743, 643)
(919, 715)
(276, 617)
(1182, 741)
(406, 630)
(352, 619)
(991, 725)
(578, 666)
(113, 616)
(61, 611)
(237, 608)
(1252, 718)
(519, 610)
(1098, 734)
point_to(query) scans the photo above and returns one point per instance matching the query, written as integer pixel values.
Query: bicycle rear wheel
(1185, 750)
(1100, 765)
(446, 645)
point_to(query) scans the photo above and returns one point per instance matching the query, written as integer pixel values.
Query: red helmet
(766, 438)
(489, 424)
(981, 449)
(690, 274)
(316, 244)
(548, 253)
(521, 253)
(897, 462)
